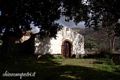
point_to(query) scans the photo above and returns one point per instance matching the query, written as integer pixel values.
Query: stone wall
(53, 46)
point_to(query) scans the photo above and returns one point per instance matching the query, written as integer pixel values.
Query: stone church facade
(67, 43)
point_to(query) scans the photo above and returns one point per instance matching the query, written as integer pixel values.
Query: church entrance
(66, 49)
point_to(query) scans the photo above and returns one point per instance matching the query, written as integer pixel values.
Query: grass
(58, 68)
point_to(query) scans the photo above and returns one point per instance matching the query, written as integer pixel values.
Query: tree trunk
(8, 50)
(28, 47)
(8, 47)
(112, 44)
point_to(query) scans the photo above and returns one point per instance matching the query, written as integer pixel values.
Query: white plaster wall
(55, 45)
(67, 34)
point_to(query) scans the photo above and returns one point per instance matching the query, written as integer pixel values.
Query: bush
(100, 54)
(105, 54)
(116, 59)
(46, 57)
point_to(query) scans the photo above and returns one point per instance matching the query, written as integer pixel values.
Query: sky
(70, 24)
(62, 22)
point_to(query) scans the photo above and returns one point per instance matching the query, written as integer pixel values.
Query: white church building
(67, 43)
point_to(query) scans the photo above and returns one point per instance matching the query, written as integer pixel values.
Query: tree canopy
(17, 15)
(43, 13)
(103, 12)
(105, 16)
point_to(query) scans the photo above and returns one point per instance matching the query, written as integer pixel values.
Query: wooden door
(66, 49)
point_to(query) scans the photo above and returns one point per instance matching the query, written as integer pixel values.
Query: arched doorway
(66, 49)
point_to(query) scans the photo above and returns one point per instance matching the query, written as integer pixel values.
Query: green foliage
(17, 15)
(105, 54)
(90, 43)
(116, 59)
(42, 13)
(75, 9)
(22, 13)
(104, 14)
(46, 56)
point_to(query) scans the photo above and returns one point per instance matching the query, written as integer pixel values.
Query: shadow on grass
(50, 70)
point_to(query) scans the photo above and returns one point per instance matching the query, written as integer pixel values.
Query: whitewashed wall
(54, 46)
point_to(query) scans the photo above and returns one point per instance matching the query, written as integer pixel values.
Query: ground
(58, 68)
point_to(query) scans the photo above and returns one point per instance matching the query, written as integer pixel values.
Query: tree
(22, 13)
(43, 13)
(105, 14)
(17, 15)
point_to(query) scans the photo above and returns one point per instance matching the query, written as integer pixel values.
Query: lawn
(58, 68)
